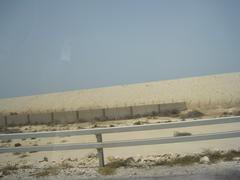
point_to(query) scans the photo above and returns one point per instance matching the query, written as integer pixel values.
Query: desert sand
(83, 163)
(213, 90)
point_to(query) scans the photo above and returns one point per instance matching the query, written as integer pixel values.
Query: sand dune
(197, 91)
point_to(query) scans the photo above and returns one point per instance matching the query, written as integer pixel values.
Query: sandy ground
(188, 147)
(87, 167)
(58, 156)
(212, 90)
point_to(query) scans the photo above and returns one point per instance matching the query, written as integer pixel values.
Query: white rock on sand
(204, 160)
(236, 159)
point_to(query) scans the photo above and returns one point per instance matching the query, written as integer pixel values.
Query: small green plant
(112, 166)
(106, 171)
(23, 156)
(17, 144)
(182, 161)
(7, 170)
(171, 113)
(45, 159)
(226, 113)
(92, 155)
(63, 141)
(48, 171)
(26, 167)
(150, 117)
(13, 113)
(215, 156)
(52, 170)
(137, 123)
(6, 141)
(168, 121)
(94, 125)
(229, 155)
(65, 165)
(141, 122)
(236, 113)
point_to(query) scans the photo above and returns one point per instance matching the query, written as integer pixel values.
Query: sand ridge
(205, 90)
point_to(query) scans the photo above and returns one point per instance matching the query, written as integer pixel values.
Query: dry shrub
(177, 133)
(112, 166)
(8, 169)
(192, 114)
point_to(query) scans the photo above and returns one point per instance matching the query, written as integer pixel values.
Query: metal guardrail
(99, 145)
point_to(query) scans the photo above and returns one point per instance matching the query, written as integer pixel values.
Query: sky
(53, 46)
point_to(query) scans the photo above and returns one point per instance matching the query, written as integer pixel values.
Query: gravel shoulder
(159, 172)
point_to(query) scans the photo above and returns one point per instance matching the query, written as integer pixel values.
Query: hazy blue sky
(49, 46)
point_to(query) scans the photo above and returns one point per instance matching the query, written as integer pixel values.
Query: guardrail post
(100, 151)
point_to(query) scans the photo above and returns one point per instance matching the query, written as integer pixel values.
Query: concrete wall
(2, 121)
(41, 118)
(91, 115)
(118, 113)
(65, 117)
(16, 120)
(145, 110)
(88, 115)
(172, 106)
